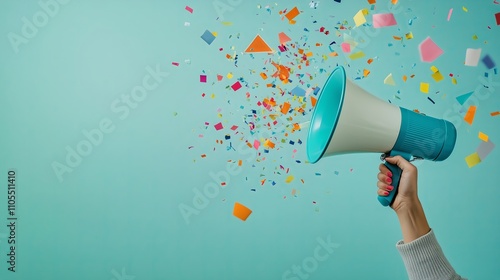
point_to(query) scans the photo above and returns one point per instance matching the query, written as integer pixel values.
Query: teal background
(117, 214)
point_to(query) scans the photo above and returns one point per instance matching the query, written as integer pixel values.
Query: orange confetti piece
(333, 54)
(285, 108)
(269, 144)
(394, 2)
(405, 78)
(372, 1)
(258, 45)
(203, 155)
(241, 211)
(369, 61)
(469, 116)
(313, 101)
(240, 162)
(495, 113)
(292, 14)
(263, 75)
(366, 72)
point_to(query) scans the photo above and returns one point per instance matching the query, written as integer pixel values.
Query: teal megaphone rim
(326, 114)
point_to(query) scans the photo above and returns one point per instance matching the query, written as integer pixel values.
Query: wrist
(412, 220)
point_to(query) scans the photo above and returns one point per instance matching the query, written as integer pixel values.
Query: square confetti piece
(203, 78)
(429, 51)
(218, 126)
(383, 20)
(488, 62)
(208, 37)
(472, 160)
(424, 87)
(236, 86)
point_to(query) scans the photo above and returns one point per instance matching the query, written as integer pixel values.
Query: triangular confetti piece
(389, 80)
(283, 38)
(241, 211)
(258, 45)
(462, 98)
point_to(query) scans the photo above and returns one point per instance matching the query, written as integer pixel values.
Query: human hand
(407, 194)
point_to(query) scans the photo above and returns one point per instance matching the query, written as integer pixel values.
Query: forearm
(412, 220)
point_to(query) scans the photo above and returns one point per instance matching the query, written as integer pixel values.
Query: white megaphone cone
(347, 119)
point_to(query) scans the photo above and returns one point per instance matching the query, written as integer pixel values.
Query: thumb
(402, 163)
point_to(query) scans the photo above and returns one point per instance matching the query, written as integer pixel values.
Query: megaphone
(347, 119)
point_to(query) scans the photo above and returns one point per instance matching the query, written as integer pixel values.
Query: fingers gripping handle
(396, 177)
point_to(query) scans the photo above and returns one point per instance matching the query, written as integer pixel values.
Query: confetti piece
(256, 144)
(483, 136)
(394, 2)
(430, 99)
(359, 18)
(258, 45)
(292, 13)
(497, 18)
(241, 211)
(429, 51)
(289, 179)
(383, 20)
(465, 9)
(218, 126)
(372, 1)
(236, 86)
(437, 76)
(462, 98)
(409, 36)
(472, 160)
(346, 47)
(298, 91)
(357, 55)
(389, 80)
(175, 63)
(469, 116)
(488, 62)
(208, 37)
(203, 78)
(424, 87)
(495, 113)
(189, 9)
(449, 14)
(313, 101)
(219, 77)
(484, 149)
(285, 108)
(472, 56)
(283, 38)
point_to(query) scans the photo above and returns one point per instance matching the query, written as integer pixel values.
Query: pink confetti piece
(256, 144)
(449, 14)
(383, 20)
(346, 47)
(236, 86)
(189, 9)
(203, 78)
(218, 126)
(219, 77)
(175, 63)
(429, 51)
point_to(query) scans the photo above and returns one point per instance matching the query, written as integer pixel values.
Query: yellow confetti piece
(289, 179)
(434, 69)
(359, 18)
(409, 36)
(227, 23)
(212, 95)
(437, 76)
(214, 33)
(365, 12)
(472, 159)
(483, 136)
(229, 75)
(465, 9)
(474, 37)
(454, 81)
(357, 55)
(424, 87)
(389, 80)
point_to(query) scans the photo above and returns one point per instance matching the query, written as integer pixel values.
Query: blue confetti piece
(208, 37)
(430, 99)
(298, 91)
(488, 62)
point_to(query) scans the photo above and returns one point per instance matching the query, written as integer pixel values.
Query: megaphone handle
(396, 177)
